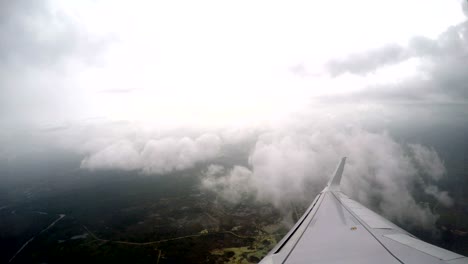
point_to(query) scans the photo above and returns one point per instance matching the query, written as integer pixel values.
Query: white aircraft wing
(336, 229)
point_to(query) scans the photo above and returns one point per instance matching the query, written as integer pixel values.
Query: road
(162, 240)
(32, 238)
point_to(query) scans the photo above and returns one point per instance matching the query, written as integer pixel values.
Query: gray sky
(157, 86)
(233, 63)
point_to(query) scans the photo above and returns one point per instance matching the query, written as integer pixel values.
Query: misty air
(234, 131)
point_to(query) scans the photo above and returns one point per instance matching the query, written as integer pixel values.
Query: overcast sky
(223, 63)
(158, 86)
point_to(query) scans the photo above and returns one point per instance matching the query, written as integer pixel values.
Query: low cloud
(233, 185)
(156, 156)
(121, 155)
(441, 196)
(47, 74)
(293, 166)
(428, 161)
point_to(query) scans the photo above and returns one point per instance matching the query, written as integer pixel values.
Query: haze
(261, 98)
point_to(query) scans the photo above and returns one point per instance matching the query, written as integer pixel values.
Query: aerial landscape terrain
(134, 219)
(76, 216)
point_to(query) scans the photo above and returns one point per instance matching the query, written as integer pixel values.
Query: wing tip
(334, 183)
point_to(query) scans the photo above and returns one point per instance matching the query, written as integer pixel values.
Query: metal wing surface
(337, 229)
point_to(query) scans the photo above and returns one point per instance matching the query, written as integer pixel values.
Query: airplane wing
(336, 229)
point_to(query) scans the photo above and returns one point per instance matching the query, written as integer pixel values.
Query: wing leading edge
(337, 229)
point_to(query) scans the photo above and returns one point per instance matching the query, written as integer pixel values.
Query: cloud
(293, 165)
(159, 78)
(165, 155)
(438, 70)
(369, 61)
(465, 7)
(441, 196)
(156, 156)
(118, 91)
(121, 155)
(36, 33)
(450, 43)
(145, 72)
(42, 48)
(233, 185)
(428, 161)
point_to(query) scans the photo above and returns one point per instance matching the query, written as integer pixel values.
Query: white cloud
(212, 64)
(168, 154)
(428, 160)
(291, 165)
(156, 156)
(121, 155)
(423, 71)
(233, 185)
(175, 59)
(441, 196)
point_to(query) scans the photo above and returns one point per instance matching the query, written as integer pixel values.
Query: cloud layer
(158, 62)
(156, 156)
(438, 70)
(292, 166)
(202, 67)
